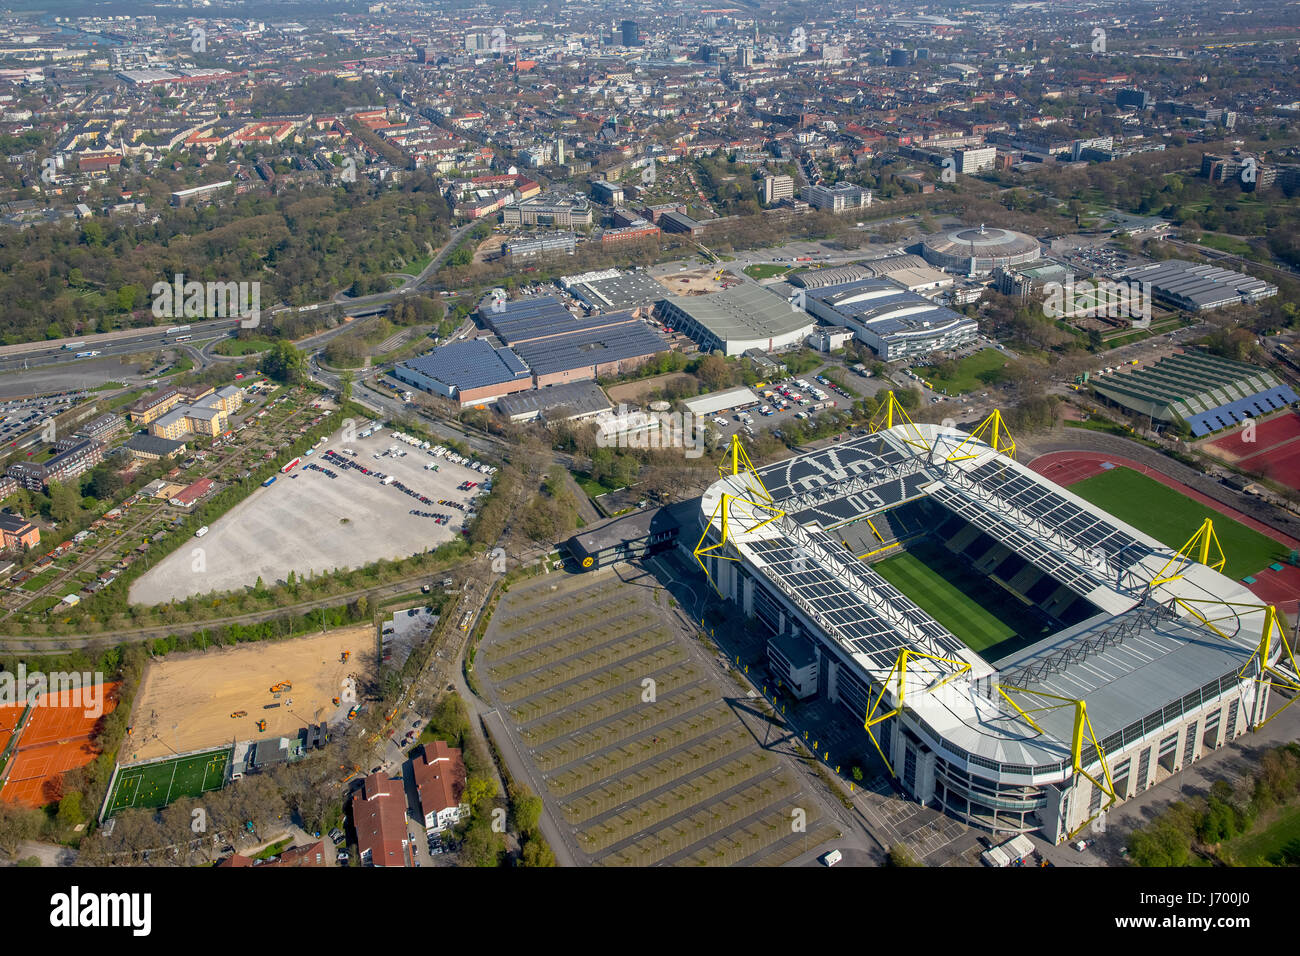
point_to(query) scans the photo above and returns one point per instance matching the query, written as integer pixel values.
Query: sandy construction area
(185, 702)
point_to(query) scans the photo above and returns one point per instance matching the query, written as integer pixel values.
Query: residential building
(439, 775)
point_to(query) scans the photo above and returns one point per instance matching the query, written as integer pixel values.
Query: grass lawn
(1171, 518)
(416, 267)
(593, 488)
(1256, 849)
(959, 598)
(1227, 244)
(966, 376)
(242, 346)
(765, 270)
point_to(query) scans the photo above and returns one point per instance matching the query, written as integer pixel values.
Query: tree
(526, 807)
(537, 852)
(65, 502)
(70, 814)
(284, 363)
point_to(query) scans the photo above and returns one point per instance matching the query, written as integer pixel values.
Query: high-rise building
(631, 34)
(1133, 99)
(746, 57)
(776, 188)
(900, 57)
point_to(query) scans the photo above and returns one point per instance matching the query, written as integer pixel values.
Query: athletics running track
(1279, 588)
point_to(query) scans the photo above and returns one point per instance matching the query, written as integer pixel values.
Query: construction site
(206, 699)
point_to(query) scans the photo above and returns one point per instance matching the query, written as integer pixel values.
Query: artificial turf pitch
(1172, 518)
(158, 784)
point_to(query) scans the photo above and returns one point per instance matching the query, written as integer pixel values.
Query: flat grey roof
(745, 312)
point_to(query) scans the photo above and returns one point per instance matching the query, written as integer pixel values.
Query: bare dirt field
(185, 701)
(699, 280)
(636, 391)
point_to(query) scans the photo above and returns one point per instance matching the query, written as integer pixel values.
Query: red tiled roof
(379, 817)
(439, 777)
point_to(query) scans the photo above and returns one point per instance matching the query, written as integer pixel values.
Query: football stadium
(1017, 657)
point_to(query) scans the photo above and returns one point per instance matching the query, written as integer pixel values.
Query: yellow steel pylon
(900, 668)
(1082, 729)
(993, 432)
(722, 511)
(1263, 652)
(892, 413)
(1195, 551)
(743, 468)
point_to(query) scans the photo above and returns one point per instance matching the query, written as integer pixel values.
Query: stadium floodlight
(1288, 677)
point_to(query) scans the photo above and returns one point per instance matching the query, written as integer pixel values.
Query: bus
(73, 345)
(291, 466)
(178, 328)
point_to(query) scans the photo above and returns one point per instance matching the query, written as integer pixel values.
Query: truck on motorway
(86, 354)
(73, 345)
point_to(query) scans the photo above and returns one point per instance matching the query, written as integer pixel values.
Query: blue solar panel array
(466, 365)
(1233, 413)
(551, 339)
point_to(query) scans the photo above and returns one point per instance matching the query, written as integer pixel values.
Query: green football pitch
(1172, 518)
(156, 785)
(960, 598)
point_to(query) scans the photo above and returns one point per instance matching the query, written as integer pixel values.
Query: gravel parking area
(309, 522)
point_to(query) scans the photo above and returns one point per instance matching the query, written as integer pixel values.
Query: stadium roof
(744, 312)
(1141, 653)
(1208, 392)
(468, 365)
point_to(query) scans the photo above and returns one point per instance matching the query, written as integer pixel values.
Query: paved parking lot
(309, 522)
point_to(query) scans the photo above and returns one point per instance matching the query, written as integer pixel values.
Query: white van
(201, 532)
(833, 857)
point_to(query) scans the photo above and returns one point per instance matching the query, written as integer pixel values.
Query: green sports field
(960, 598)
(156, 785)
(1171, 518)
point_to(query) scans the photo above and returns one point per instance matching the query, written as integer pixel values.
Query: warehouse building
(895, 322)
(609, 290)
(1207, 392)
(470, 373)
(558, 346)
(736, 320)
(1197, 286)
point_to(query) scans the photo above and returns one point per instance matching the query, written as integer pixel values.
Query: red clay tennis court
(55, 739)
(1275, 452)
(36, 775)
(51, 722)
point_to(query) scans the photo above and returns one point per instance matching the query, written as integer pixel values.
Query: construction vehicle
(261, 725)
(240, 713)
(352, 714)
(346, 655)
(283, 685)
(270, 706)
(336, 701)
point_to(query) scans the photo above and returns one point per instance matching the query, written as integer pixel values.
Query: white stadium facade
(1151, 657)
